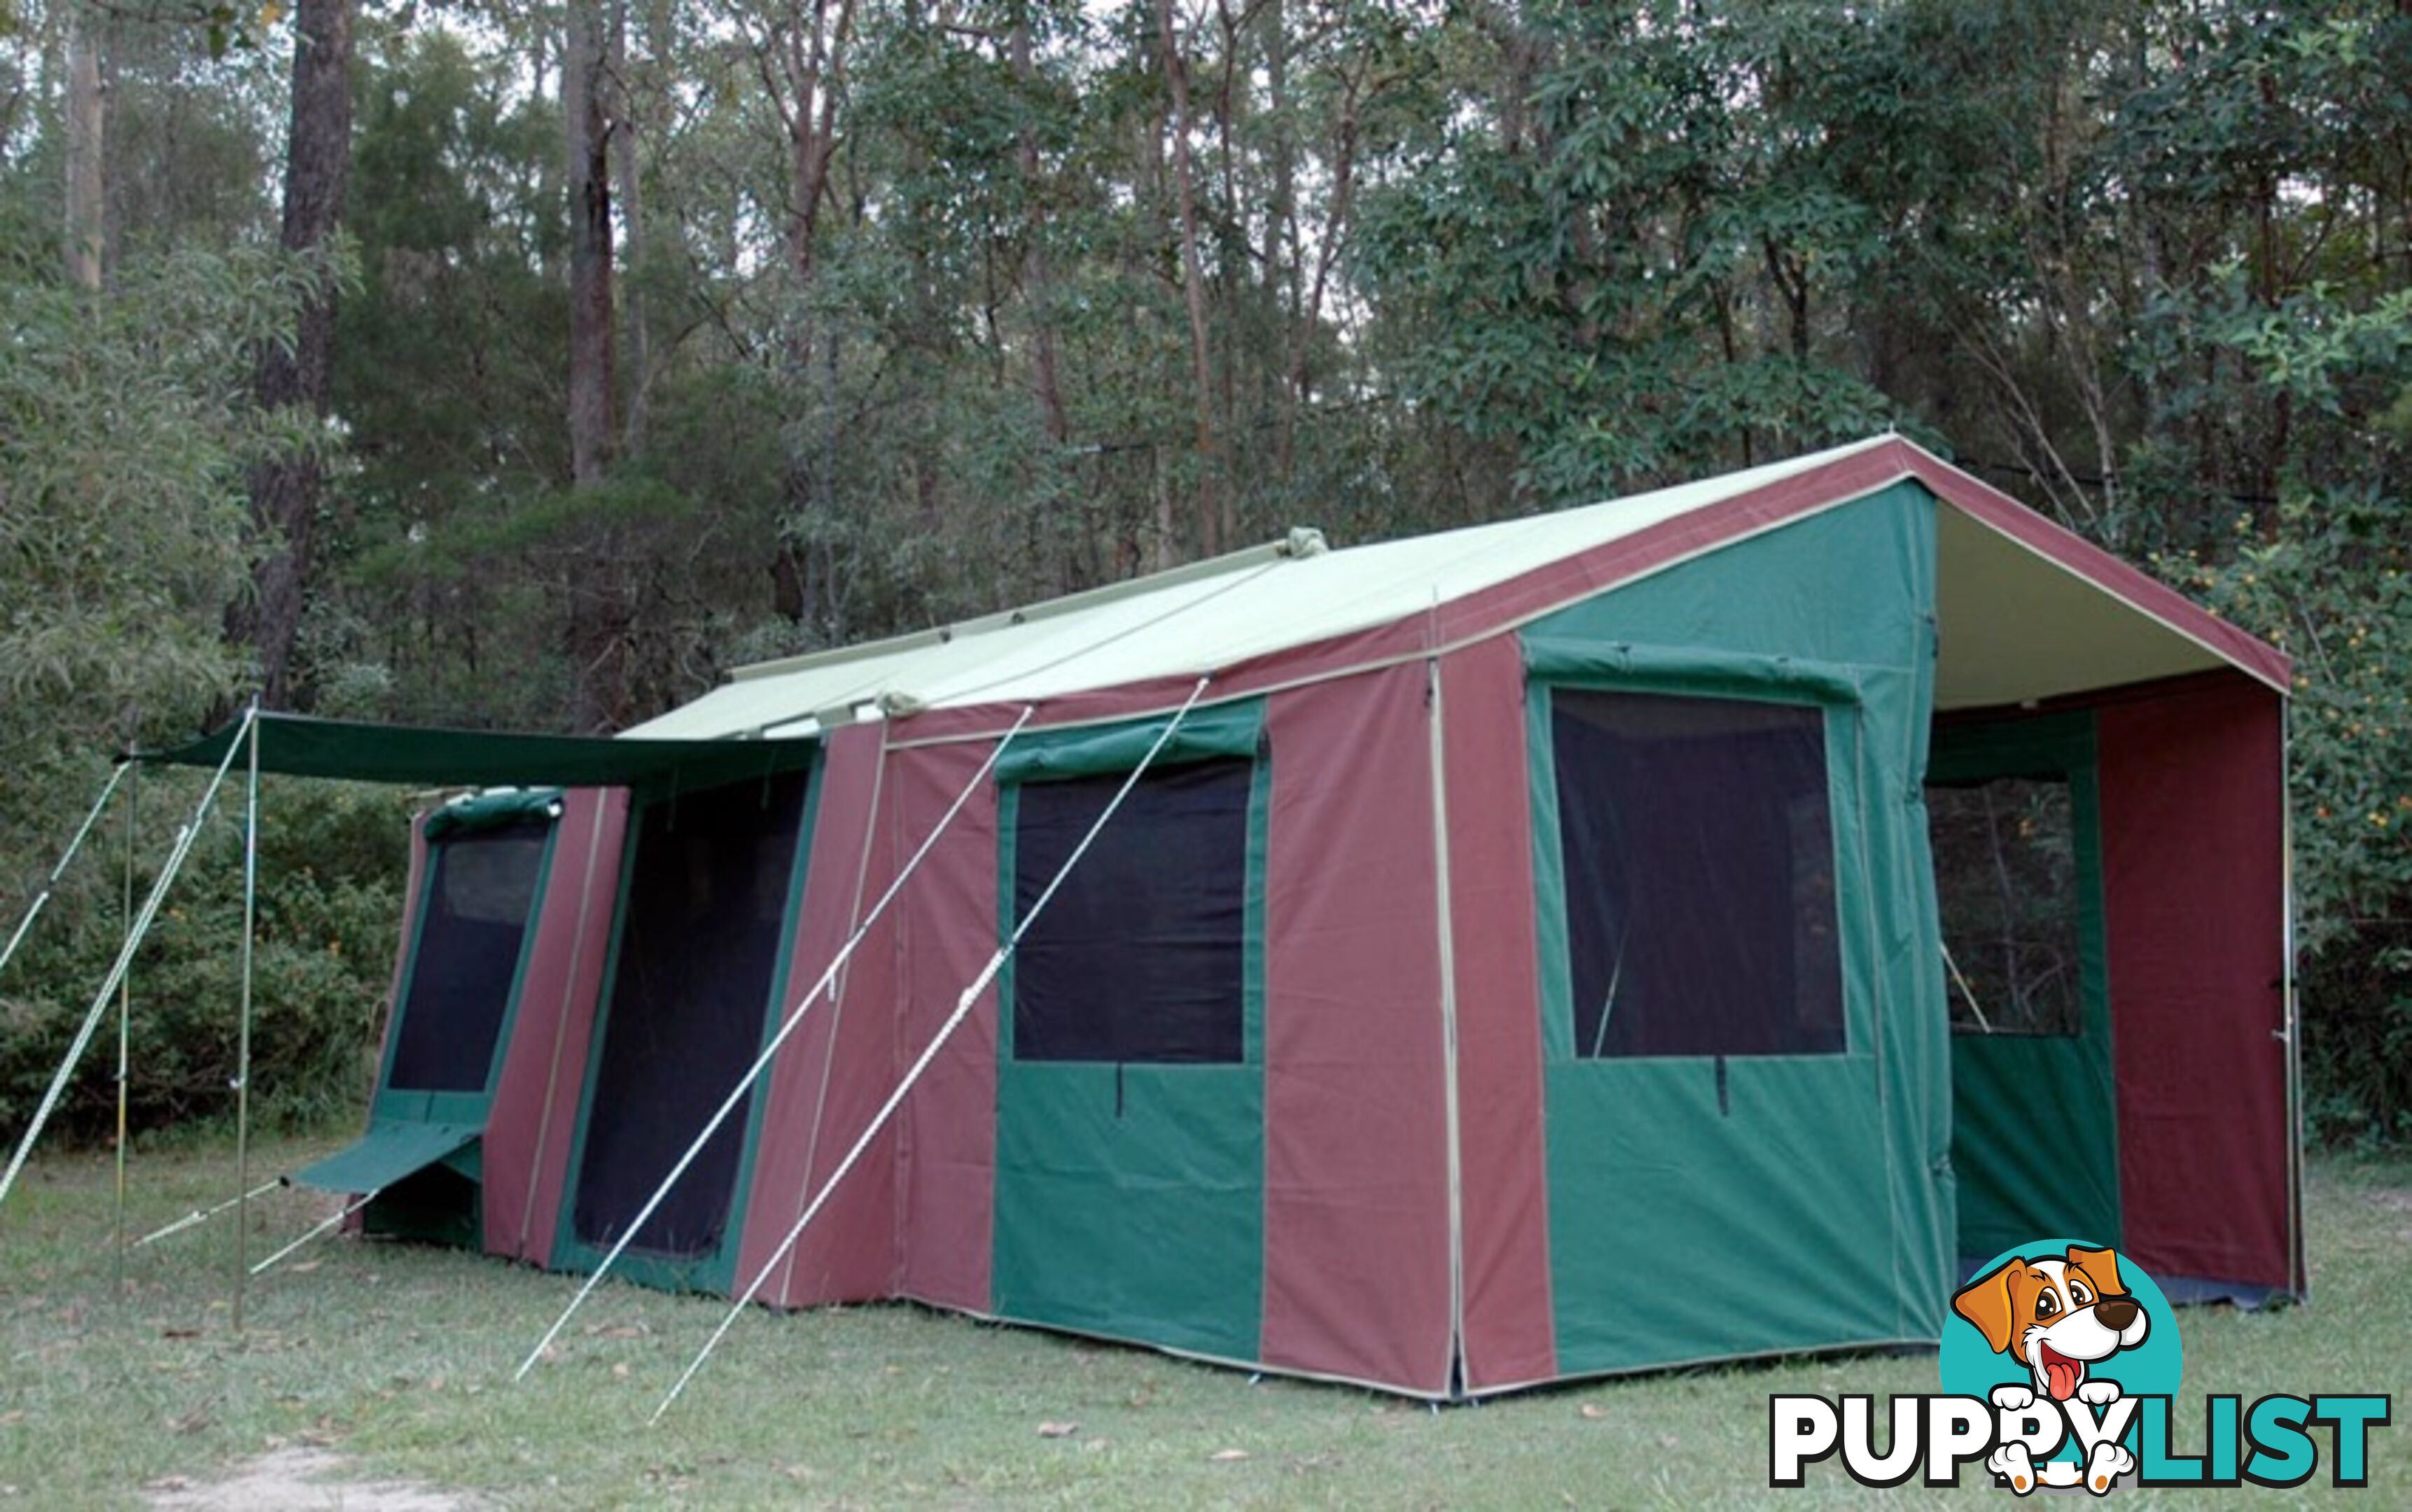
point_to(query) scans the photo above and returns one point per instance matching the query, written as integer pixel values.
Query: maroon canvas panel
(1503, 1163)
(2193, 857)
(1357, 1242)
(948, 933)
(815, 1105)
(535, 1114)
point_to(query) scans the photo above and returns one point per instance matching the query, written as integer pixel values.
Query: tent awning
(425, 755)
(385, 1154)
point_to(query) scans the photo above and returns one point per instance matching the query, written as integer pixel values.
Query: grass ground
(399, 1359)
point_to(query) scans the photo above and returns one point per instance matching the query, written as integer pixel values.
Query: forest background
(524, 364)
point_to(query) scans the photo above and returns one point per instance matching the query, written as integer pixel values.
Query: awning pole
(928, 1053)
(124, 1025)
(243, 1031)
(183, 847)
(42, 899)
(753, 1073)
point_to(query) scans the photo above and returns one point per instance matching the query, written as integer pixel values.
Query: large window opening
(1698, 850)
(2005, 883)
(705, 915)
(480, 893)
(1139, 955)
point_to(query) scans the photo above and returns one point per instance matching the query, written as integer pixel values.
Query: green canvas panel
(299, 745)
(486, 811)
(2006, 1086)
(1129, 1199)
(1686, 670)
(1812, 1206)
(387, 1153)
(1231, 729)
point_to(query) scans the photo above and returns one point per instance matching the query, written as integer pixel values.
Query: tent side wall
(526, 1150)
(943, 931)
(1510, 1333)
(839, 1065)
(1691, 1159)
(2194, 867)
(1357, 1243)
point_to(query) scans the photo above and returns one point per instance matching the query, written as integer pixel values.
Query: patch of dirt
(297, 1480)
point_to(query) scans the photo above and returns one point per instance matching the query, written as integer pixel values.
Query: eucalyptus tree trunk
(1209, 517)
(584, 86)
(1037, 276)
(286, 491)
(87, 126)
(598, 615)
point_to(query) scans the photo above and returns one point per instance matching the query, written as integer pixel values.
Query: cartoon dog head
(2054, 1316)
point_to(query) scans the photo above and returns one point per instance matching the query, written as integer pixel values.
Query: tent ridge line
(1466, 641)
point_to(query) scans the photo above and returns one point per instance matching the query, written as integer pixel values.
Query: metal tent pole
(761, 1061)
(42, 899)
(243, 1031)
(124, 1025)
(928, 1053)
(183, 847)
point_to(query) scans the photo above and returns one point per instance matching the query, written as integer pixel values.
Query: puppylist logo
(2059, 1364)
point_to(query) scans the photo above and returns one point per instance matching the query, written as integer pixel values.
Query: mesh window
(2006, 880)
(480, 891)
(1699, 875)
(705, 915)
(1139, 955)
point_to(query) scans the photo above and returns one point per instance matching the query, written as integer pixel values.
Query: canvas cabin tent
(1520, 964)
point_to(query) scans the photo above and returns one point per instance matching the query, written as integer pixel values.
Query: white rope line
(200, 1216)
(364, 1199)
(946, 1030)
(184, 846)
(753, 1073)
(42, 899)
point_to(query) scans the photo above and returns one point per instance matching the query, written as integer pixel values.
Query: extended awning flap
(300, 745)
(385, 1154)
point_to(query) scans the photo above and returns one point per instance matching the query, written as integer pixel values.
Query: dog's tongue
(2061, 1373)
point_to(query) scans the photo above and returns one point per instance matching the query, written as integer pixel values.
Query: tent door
(697, 971)
(2013, 819)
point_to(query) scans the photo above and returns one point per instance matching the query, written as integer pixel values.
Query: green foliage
(330, 869)
(2329, 577)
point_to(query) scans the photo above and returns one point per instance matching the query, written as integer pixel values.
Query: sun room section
(2106, 809)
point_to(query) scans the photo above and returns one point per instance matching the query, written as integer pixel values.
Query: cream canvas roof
(2015, 625)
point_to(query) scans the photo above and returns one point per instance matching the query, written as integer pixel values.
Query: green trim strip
(1689, 669)
(1231, 729)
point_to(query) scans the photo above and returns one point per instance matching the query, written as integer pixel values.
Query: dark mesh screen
(2006, 879)
(1699, 871)
(1139, 955)
(698, 950)
(481, 890)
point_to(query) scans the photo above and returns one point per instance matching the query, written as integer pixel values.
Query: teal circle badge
(2061, 1317)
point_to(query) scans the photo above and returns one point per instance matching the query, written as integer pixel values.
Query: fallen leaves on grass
(1058, 1430)
(1594, 1410)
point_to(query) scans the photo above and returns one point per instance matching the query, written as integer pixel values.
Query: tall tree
(86, 126)
(285, 490)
